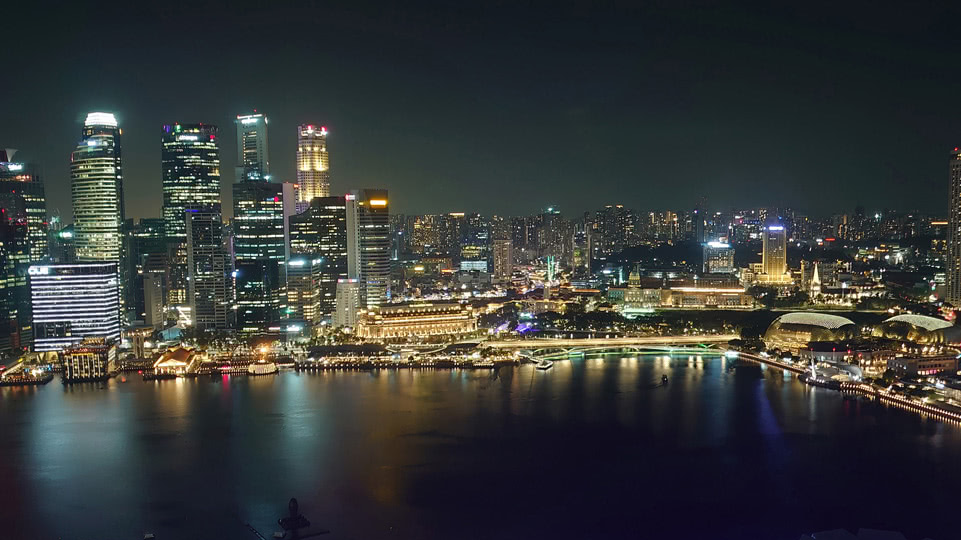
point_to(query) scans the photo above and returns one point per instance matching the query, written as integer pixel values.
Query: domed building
(919, 329)
(795, 330)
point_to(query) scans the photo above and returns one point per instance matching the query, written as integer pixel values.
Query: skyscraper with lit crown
(313, 163)
(96, 177)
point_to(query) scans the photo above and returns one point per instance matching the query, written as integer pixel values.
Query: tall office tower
(97, 188)
(143, 240)
(303, 288)
(718, 258)
(253, 163)
(15, 327)
(503, 259)
(72, 302)
(953, 259)
(313, 163)
(348, 302)
(424, 234)
(368, 244)
(208, 271)
(321, 232)
(451, 233)
(191, 181)
(261, 240)
(22, 179)
(774, 256)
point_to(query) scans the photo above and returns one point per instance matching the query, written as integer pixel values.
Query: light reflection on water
(594, 447)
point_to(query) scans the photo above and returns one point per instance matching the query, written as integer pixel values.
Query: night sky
(500, 108)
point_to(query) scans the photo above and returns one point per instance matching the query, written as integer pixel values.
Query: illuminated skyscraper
(253, 162)
(191, 174)
(97, 188)
(21, 179)
(718, 258)
(774, 256)
(313, 163)
(208, 271)
(191, 182)
(503, 259)
(368, 244)
(321, 233)
(953, 259)
(261, 211)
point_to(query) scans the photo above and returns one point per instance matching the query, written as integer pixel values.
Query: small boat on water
(262, 367)
(663, 379)
(483, 363)
(544, 365)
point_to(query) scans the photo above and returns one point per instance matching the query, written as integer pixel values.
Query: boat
(663, 379)
(544, 365)
(483, 363)
(262, 367)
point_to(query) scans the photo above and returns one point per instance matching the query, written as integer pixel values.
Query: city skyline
(805, 120)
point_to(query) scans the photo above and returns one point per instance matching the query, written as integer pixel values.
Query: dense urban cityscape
(480, 271)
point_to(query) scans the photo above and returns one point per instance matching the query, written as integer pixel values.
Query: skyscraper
(22, 179)
(191, 181)
(953, 260)
(253, 162)
(97, 188)
(368, 244)
(261, 211)
(15, 327)
(191, 174)
(313, 163)
(774, 256)
(503, 259)
(208, 271)
(321, 232)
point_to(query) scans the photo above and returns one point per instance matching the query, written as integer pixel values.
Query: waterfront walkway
(572, 343)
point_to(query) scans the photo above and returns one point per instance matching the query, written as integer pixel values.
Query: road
(607, 342)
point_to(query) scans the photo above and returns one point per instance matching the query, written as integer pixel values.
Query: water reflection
(595, 447)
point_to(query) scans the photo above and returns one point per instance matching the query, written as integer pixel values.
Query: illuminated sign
(718, 245)
(349, 197)
(14, 167)
(39, 270)
(378, 202)
(248, 120)
(186, 137)
(93, 142)
(775, 228)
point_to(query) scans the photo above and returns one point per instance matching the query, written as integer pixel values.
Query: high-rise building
(313, 163)
(96, 176)
(15, 327)
(321, 232)
(503, 259)
(774, 255)
(261, 240)
(718, 258)
(191, 181)
(93, 359)
(368, 244)
(304, 288)
(191, 174)
(953, 259)
(23, 180)
(72, 302)
(208, 271)
(348, 302)
(253, 162)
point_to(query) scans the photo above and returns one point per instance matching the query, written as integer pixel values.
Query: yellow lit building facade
(416, 320)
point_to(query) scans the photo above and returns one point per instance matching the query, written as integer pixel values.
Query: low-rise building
(914, 366)
(93, 359)
(401, 321)
(179, 361)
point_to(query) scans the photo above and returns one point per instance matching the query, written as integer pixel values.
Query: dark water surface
(589, 449)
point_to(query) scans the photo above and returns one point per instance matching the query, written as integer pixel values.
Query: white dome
(823, 320)
(921, 321)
